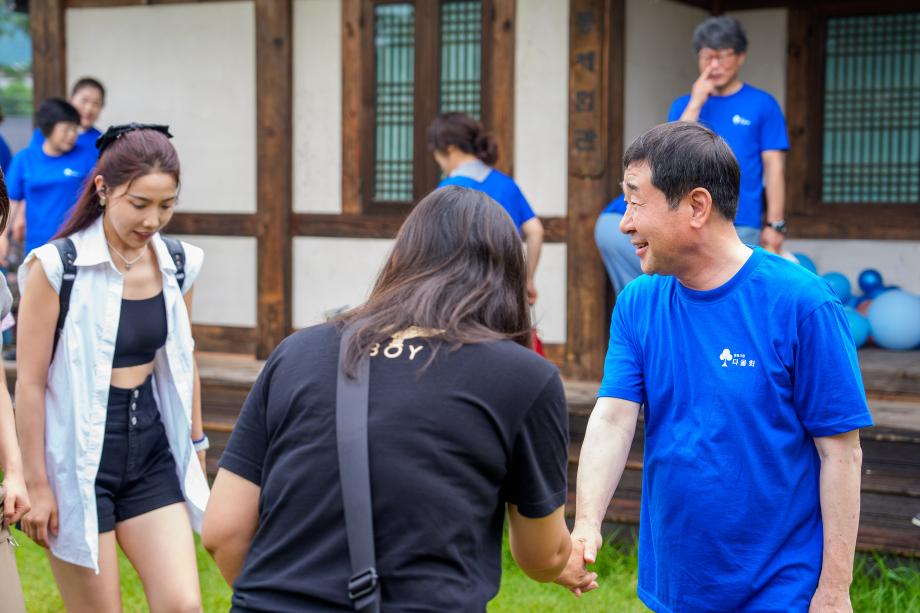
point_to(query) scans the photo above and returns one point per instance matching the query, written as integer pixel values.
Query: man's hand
(827, 600)
(703, 87)
(575, 577)
(771, 240)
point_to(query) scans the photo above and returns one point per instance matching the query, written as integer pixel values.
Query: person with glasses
(751, 122)
(109, 399)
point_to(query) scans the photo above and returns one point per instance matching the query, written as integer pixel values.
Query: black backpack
(68, 253)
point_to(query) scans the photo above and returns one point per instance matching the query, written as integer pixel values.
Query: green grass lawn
(880, 585)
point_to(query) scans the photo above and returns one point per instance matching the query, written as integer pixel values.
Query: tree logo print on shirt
(735, 359)
(725, 357)
(738, 120)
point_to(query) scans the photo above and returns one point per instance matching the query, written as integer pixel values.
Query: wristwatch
(201, 444)
(779, 226)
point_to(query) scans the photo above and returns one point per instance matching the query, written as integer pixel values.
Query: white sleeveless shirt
(76, 395)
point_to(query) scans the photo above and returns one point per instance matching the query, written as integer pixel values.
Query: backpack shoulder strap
(68, 253)
(354, 475)
(177, 253)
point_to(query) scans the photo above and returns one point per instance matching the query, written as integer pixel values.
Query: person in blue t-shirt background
(751, 122)
(746, 372)
(466, 153)
(46, 179)
(6, 155)
(88, 97)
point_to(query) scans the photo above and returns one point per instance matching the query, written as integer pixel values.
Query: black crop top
(141, 331)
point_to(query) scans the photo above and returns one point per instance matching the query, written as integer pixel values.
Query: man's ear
(700, 201)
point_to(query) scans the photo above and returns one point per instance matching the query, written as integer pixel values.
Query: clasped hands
(575, 576)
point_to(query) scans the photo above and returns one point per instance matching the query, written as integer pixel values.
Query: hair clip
(115, 132)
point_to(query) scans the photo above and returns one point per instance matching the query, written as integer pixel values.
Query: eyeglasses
(723, 57)
(115, 132)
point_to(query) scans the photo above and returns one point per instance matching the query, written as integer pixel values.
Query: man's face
(63, 136)
(723, 64)
(88, 102)
(656, 231)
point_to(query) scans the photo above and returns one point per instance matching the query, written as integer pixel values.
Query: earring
(102, 202)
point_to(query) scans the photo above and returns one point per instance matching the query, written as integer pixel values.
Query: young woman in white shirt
(110, 414)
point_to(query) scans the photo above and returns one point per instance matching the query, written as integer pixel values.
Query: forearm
(774, 184)
(839, 492)
(559, 558)
(10, 458)
(229, 556)
(197, 422)
(30, 423)
(603, 458)
(533, 240)
(692, 112)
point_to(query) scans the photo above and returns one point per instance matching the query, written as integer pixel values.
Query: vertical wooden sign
(587, 98)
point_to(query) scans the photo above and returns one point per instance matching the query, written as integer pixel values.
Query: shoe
(916, 520)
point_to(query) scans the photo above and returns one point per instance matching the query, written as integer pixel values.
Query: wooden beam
(593, 53)
(226, 339)
(274, 126)
(357, 103)
(498, 78)
(386, 226)
(213, 224)
(798, 107)
(49, 50)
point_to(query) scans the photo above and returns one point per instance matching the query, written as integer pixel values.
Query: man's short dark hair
(88, 82)
(54, 111)
(720, 33)
(684, 155)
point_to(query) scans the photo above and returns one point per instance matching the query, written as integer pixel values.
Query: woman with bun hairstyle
(108, 408)
(466, 153)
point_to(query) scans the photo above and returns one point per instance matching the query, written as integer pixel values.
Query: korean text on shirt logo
(735, 359)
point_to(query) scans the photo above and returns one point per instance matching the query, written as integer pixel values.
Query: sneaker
(916, 520)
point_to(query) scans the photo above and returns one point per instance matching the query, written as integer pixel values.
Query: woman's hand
(17, 502)
(41, 522)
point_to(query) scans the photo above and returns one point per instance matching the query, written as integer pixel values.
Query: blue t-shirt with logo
(50, 186)
(502, 189)
(735, 383)
(751, 122)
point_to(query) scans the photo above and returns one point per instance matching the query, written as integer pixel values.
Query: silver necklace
(128, 263)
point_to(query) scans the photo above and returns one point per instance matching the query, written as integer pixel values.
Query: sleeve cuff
(240, 466)
(541, 508)
(619, 392)
(863, 420)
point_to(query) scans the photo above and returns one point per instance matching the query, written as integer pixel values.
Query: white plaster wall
(330, 273)
(191, 66)
(896, 260)
(318, 106)
(225, 291)
(659, 61)
(549, 312)
(541, 87)
(765, 66)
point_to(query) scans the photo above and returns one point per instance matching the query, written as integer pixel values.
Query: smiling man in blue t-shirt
(745, 368)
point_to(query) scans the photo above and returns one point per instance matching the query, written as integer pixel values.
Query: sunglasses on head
(115, 132)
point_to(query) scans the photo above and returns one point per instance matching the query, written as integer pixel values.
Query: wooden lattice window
(427, 58)
(871, 112)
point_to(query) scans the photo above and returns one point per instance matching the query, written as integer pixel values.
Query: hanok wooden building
(301, 128)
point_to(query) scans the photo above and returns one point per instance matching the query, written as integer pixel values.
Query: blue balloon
(806, 261)
(878, 291)
(870, 279)
(895, 320)
(859, 326)
(839, 283)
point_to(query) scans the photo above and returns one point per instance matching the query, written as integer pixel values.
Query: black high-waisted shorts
(137, 473)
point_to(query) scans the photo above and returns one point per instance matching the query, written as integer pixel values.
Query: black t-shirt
(449, 445)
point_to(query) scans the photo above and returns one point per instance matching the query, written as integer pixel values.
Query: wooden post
(274, 126)
(595, 147)
(498, 78)
(49, 49)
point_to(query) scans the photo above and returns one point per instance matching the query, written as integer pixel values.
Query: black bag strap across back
(354, 474)
(68, 253)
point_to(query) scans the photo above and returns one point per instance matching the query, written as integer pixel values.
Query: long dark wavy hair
(457, 266)
(133, 155)
(4, 203)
